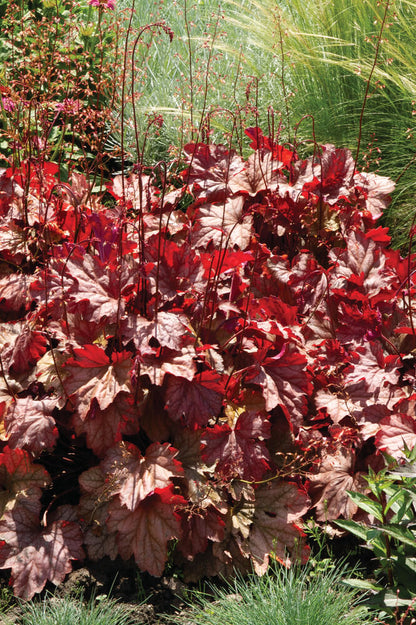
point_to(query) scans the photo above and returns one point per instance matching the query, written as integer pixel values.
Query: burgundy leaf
(199, 526)
(93, 375)
(93, 512)
(136, 477)
(238, 451)
(222, 225)
(332, 174)
(195, 401)
(259, 174)
(145, 531)
(285, 383)
(135, 189)
(363, 257)
(30, 345)
(83, 281)
(30, 425)
(35, 554)
(374, 192)
(169, 330)
(211, 167)
(335, 404)
(164, 360)
(173, 269)
(105, 427)
(396, 432)
(278, 509)
(14, 292)
(19, 476)
(371, 365)
(329, 487)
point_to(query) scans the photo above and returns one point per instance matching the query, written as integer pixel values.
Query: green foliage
(187, 81)
(392, 536)
(59, 77)
(296, 596)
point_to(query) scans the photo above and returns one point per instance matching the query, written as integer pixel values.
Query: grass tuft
(295, 596)
(73, 611)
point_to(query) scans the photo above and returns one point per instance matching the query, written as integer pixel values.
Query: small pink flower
(7, 103)
(109, 4)
(69, 106)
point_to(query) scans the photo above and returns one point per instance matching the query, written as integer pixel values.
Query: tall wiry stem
(367, 89)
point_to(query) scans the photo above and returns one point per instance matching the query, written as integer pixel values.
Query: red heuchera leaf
(22, 346)
(222, 225)
(194, 401)
(30, 425)
(14, 244)
(30, 345)
(93, 375)
(279, 507)
(332, 172)
(329, 487)
(168, 330)
(41, 178)
(199, 526)
(363, 257)
(164, 360)
(211, 167)
(374, 192)
(222, 261)
(284, 382)
(18, 476)
(371, 365)
(103, 428)
(105, 237)
(260, 173)
(336, 405)
(138, 191)
(309, 283)
(14, 292)
(238, 451)
(380, 235)
(260, 141)
(37, 554)
(84, 282)
(358, 322)
(146, 530)
(177, 269)
(396, 432)
(136, 477)
(93, 513)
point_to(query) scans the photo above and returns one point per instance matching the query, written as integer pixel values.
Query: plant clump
(218, 351)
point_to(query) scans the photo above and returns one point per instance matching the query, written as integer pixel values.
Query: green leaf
(352, 526)
(401, 497)
(364, 584)
(391, 600)
(400, 533)
(365, 503)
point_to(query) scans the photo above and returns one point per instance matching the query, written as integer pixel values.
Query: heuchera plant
(206, 360)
